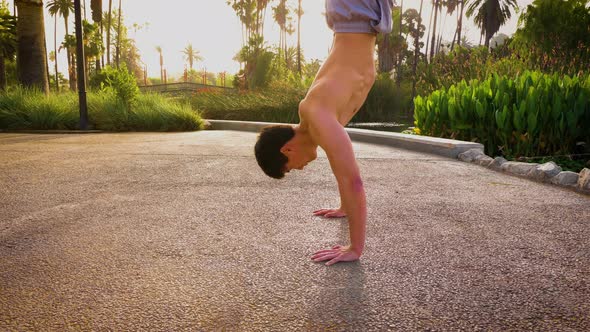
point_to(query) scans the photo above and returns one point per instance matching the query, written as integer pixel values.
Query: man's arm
(331, 136)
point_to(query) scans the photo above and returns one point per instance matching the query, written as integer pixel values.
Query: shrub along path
(181, 231)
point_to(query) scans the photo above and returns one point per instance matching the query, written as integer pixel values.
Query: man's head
(280, 148)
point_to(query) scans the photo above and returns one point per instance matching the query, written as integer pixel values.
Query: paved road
(181, 231)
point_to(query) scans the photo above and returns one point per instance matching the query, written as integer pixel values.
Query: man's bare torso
(344, 80)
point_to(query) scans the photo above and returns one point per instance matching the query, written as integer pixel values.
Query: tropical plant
(191, 55)
(64, 8)
(31, 52)
(7, 41)
(490, 15)
(533, 115)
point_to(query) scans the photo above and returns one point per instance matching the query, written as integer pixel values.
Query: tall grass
(30, 109)
(385, 103)
(22, 109)
(278, 104)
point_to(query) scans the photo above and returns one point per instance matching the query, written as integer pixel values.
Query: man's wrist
(356, 249)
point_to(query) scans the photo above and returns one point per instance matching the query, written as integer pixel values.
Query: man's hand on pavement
(335, 255)
(330, 213)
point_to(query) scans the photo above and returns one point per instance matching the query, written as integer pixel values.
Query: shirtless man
(338, 91)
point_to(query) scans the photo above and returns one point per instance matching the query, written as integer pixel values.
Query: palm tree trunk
(459, 14)
(31, 51)
(441, 24)
(460, 23)
(55, 50)
(434, 36)
(429, 28)
(109, 33)
(118, 49)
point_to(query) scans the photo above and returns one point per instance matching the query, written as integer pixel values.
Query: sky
(213, 28)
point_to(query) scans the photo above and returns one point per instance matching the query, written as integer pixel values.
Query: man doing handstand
(336, 94)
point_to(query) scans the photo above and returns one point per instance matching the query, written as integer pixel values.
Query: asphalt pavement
(183, 232)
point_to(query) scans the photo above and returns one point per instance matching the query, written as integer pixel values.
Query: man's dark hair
(268, 149)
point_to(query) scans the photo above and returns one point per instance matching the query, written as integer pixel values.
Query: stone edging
(548, 172)
(434, 145)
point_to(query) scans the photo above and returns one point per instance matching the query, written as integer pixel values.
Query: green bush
(533, 115)
(120, 81)
(23, 109)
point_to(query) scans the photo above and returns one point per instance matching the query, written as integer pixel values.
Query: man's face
(299, 156)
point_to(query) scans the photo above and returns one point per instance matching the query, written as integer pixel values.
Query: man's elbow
(357, 185)
(354, 184)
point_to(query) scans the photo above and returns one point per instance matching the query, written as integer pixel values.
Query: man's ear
(286, 149)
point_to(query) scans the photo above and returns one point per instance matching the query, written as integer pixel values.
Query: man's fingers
(320, 211)
(334, 260)
(334, 214)
(321, 252)
(324, 257)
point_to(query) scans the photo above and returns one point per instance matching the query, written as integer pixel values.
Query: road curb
(433, 145)
(51, 131)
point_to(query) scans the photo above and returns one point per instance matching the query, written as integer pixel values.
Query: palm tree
(64, 8)
(159, 49)
(490, 15)
(7, 41)
(31, 52)
(191, 55)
